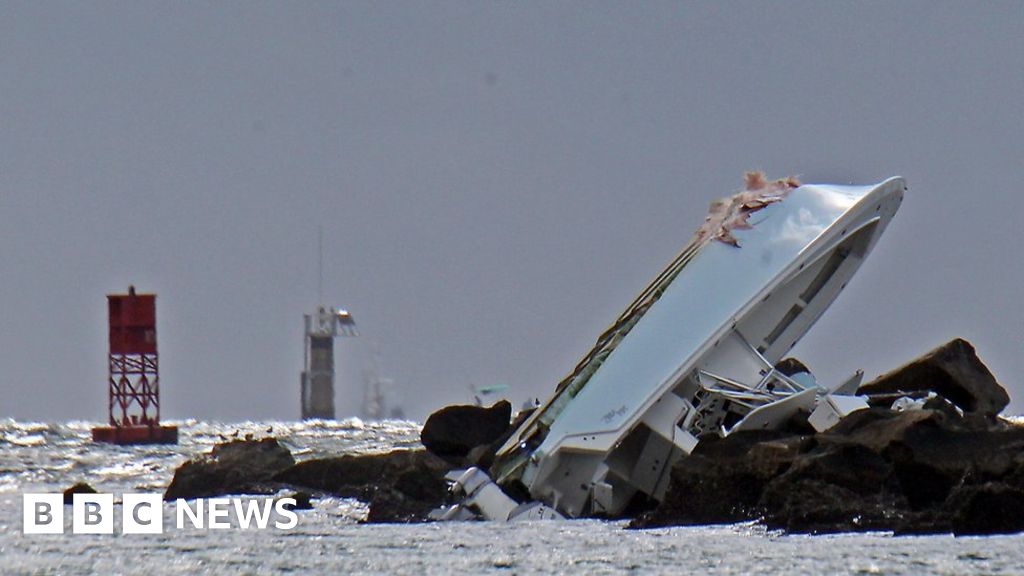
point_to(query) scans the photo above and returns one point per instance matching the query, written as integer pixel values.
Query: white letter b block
(43, 514)
(92, 514)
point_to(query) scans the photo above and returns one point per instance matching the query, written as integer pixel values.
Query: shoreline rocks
(945, 464)
(941, 461)
(235, 467)
(918, 471)
(399, 486)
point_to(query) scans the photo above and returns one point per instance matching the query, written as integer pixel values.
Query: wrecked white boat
(693, 355)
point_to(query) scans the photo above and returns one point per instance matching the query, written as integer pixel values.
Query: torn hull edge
(694, 354)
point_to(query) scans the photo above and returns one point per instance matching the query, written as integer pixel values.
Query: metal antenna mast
(320, 264)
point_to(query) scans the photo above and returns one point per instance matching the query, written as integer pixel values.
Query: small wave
(131, 469)
(14, 425)
(30, 440)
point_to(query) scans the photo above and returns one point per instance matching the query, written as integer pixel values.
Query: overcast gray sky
(495, 182)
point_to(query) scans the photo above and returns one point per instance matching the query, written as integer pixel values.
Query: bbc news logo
(144, 514)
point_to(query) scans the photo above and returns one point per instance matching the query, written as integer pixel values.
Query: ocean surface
(41, 457)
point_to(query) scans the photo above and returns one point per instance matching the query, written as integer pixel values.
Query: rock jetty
(235, 467)
(946, 464)
(931, 455)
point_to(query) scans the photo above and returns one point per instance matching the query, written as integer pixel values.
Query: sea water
(49, 457)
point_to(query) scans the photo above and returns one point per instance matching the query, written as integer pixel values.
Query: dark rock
(897, 438)
(391, 506)
(930, 452)
(722, 481)
(812, 506)
(236, 467)
(303, 501)
(922, 485)
(790, 366)
(452, 432)
(78, 488)
(951, 466)
(798, 424)
(878, 428)
(849, 466)
(400, 486)
(990, 508)
(834, 488)
(912, 472)
(1011, 472)
(482, 456)
(952, 371)
(351, 475)
(931, 521)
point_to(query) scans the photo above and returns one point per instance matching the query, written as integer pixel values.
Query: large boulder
(452, 432)
(236, 467)
(917, 471)
(952, 371)
(400, 486)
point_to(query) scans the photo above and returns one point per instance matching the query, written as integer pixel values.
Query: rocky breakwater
(399, 486)
(931, 455)
(944, 462)
(235, 467)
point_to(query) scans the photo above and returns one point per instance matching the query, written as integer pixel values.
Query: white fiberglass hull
(698, 358)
